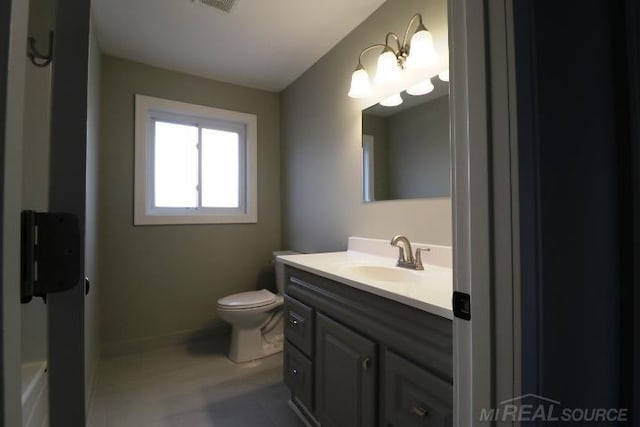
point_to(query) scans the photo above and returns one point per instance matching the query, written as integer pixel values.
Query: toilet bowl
(249, 314)
(256, 320)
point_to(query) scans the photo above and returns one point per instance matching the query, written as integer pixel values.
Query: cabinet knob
(294, 372)
(366, 363)
(419, 411)
(295, 320)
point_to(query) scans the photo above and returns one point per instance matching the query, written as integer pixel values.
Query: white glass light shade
(392, 101)
(421, 51)
(360, 86)
(388, 68)
(444, 75)
(421, 88)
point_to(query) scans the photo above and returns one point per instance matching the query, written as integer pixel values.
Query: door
(67, 192)
(346, 369)
(7, 413)
(579, 200)
(13, 41)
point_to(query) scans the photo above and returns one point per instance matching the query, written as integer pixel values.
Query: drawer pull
(419, 411)
(294, 372)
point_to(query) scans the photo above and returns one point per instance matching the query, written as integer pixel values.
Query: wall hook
(38, 59)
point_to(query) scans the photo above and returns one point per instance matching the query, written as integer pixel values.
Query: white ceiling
(264, 44)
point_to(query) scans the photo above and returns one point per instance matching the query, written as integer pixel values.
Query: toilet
(256, 319)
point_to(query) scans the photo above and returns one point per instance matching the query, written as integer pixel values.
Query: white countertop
(430, 289)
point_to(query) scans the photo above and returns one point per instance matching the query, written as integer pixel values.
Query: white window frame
(148, 110)
(368, 172)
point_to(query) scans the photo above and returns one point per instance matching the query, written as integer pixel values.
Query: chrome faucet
(405, 257)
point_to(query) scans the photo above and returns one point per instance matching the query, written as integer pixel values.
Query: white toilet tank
(280, 269)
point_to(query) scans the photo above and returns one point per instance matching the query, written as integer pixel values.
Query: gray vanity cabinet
(354, 359)
(346, 365)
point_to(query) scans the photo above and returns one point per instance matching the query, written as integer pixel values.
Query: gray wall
(321, 130)
(419, 161)
(160, 284)
(91, 310)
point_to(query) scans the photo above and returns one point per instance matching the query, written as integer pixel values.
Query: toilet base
(249, 344)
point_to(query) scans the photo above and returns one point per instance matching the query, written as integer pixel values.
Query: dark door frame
(632, 296)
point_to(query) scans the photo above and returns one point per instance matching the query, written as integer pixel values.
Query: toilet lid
(247, 299)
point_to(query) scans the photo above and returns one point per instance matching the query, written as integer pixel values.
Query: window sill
(194, 219)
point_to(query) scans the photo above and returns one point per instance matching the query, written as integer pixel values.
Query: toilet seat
(247, 300)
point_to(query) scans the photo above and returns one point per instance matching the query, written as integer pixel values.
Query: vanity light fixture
(392, 101)
(421, 88)
(419, 53)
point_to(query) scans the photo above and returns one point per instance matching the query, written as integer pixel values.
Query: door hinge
(50, 254)
(462, 305)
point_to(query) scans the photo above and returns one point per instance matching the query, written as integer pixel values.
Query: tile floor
(195, 386)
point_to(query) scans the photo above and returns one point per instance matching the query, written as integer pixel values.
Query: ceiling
(264, 44)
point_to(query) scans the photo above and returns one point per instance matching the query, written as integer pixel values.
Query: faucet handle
(419, 251)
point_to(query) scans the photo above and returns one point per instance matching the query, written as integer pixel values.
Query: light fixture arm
(367, 49)
(395, 36)
(402, 49)
(411, 21)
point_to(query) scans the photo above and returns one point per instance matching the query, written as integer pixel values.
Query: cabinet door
(414, 397)
(346, 365)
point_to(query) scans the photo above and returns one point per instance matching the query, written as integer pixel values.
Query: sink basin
(381, 273)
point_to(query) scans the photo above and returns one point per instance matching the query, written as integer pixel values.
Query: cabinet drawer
(298, 375)
(414, 397)
(298, 326)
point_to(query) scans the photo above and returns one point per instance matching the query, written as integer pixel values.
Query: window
(194, 164)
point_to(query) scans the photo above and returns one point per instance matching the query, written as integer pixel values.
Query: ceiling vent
(224, 5)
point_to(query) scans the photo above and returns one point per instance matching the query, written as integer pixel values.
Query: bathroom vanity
(361, 350)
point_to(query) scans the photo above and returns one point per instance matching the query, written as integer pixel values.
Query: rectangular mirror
(406, 152)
